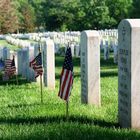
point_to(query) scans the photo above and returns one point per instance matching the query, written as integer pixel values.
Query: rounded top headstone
(89, 33)
(130, 22)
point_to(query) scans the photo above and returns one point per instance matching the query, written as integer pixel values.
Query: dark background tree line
(61, 15)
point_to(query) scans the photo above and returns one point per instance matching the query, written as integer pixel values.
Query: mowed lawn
(4, 43)
(23, 117)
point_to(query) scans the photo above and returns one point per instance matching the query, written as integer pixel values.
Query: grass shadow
(109, 74)
(24, 105)
(109, 63)
(13, 81)
(59, 119)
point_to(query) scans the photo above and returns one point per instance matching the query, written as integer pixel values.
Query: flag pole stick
(67, 110)
(41, 88)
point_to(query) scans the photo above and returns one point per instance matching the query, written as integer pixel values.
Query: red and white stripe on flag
(8, 63)
(9, 68)
(38, 70)
(66, 82)
(36, 64)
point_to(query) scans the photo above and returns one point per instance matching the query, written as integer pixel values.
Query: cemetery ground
(22, 116)
(4, 43)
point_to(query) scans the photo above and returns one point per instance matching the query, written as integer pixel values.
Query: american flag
(36, 64)
(66, 79)
(10, 68)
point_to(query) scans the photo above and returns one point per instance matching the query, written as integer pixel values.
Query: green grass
(4, 43)
(23, 117)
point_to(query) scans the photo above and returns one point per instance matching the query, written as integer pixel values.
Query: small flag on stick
(66, 79)
(10, 68)
(36, 64)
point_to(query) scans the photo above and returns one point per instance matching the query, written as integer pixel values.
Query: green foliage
(96, 14)
(39, 14)
(57, 16)
(63, 15)
(16, 15)
(27, 18)
(83, 14)
(119, 9)
(23, 117)
(136, 9)
(8, 17)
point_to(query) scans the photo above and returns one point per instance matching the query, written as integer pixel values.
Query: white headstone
(106, 50)
(77, 48)
(31, 57)
(115, 51)
(48, 53)
(19, 62)
(72, 49)
(90, 67)
(129, 73)
(25, 63)
(101, 45)
(6, 53)
(36, 49)
(1, 52)
(56, 48)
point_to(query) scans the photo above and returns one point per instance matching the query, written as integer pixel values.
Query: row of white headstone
(23, 57)
(64, 37)
(109, 43)
(128, 71)
(29, 53)
(59, 48)
(109, 33)
(109, 46)
(61, 39)
(17, 42)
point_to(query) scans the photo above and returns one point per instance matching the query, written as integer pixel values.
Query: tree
(75, 14)
(55, 14)
(118, 10)
(135, 13)
(8, 17)
(28, 21)
(38, 11)
(95, 14)
(27, 16)
(62, 15)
